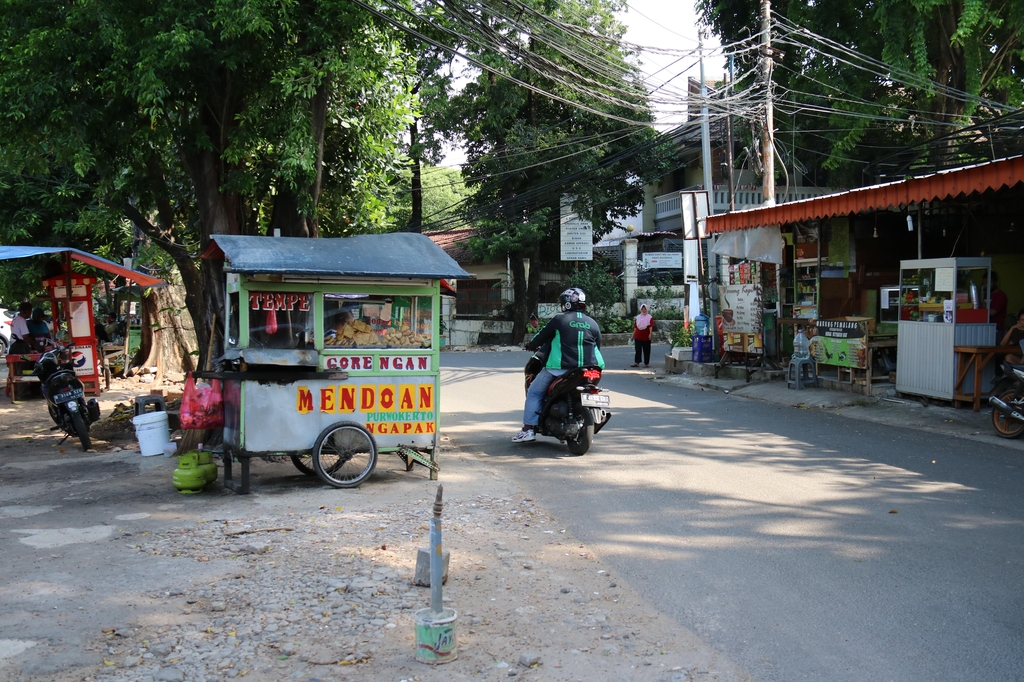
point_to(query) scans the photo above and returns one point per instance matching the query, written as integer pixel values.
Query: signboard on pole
(695, 209)
(576, 234)
(661, 260)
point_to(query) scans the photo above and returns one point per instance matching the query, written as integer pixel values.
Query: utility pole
(709, 186)
(728, 151)
(767, 136)
(705, 130)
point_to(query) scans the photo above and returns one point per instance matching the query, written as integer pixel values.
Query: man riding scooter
(575, 340)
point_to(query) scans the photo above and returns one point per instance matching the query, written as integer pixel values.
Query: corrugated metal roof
(391, 255)
(945, 184)
(9, 252)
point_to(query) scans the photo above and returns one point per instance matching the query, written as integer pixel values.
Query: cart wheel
(344, 455)
(304, 463)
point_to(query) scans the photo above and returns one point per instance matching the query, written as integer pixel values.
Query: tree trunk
(287, 214)
(416, 218)
(168, 335)
(519, 285)
(533, 281)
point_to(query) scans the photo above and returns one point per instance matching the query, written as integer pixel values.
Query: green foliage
(616, 325)
(193, 119)
(969, 45)
(445, 195)
(602, 288)
(682, 335)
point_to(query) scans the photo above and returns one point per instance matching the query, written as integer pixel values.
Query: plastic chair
(143, 400)
(801, 372)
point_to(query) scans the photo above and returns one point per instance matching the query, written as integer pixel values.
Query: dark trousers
(642, 347)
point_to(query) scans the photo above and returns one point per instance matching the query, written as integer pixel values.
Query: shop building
(888, 280)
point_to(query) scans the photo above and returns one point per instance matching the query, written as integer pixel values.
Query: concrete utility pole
(705, 130)
(728, 151)
(767, 135)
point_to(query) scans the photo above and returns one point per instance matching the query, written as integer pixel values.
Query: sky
(659, 24)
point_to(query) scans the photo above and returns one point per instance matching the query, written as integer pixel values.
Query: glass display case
(947, 293)
(943, 303)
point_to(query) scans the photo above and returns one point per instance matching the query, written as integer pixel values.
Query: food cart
(331, 352)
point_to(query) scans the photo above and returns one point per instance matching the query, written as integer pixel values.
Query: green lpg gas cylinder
(189, 478)
(207, 465)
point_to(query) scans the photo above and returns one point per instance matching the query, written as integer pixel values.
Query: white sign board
(741, 308)
(695, 209)
(660, 260)
(945, 279)
(84, 360)
(576, 234)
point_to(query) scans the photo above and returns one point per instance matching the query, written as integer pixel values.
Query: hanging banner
(741, 308)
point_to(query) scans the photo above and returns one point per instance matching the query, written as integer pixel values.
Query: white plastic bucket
(153, 433)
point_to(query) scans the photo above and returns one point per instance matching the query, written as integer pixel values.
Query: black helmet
(572, 299)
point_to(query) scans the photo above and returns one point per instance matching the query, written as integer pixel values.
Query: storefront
(839, 272)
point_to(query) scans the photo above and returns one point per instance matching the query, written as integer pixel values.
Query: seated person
(39, 331)
(21, 338)
(1013, 337)
(101, 332)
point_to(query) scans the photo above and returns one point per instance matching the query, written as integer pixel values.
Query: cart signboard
(397, 411)
(842, 343)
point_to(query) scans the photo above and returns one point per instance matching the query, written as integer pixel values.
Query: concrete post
(629, 272)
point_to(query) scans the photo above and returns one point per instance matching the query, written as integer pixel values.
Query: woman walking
(643, 325)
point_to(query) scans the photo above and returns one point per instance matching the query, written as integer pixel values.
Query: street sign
(661, 260)
(576, 234)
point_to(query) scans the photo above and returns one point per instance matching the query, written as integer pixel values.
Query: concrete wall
(463, 332)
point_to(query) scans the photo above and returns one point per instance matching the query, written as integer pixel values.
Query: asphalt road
(801, 544)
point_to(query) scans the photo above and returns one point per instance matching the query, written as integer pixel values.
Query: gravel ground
(331, 598)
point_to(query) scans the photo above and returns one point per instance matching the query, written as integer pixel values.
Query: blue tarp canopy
(390, 255)
(10, 252)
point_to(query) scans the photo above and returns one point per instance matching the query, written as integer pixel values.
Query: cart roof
(395, 254)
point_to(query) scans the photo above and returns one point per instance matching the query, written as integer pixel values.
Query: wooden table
(976, 357)
(16, 363)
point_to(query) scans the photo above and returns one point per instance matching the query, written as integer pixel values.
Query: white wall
(463, 332)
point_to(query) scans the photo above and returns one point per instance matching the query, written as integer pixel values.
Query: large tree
(951, 62)
(197, 119)
(565, 116)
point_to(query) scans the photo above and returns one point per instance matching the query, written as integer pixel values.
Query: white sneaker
(524, 436)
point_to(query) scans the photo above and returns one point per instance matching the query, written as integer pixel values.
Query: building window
(478, 297)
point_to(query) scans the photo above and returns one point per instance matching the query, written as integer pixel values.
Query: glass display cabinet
(943, 302)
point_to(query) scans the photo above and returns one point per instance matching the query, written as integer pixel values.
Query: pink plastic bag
(202, 405)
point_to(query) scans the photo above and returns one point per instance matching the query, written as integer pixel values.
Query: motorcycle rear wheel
(584, 438)
(81, 429)
(1007, 427)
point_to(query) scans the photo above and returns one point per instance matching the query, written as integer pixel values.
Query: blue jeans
(535, 395)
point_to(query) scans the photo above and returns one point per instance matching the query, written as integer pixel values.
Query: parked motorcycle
(1007, 402)
(574, 409)
(65, 395)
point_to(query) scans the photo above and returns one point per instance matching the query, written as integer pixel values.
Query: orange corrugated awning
(900, 194)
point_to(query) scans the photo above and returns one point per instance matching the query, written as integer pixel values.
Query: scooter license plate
(68, 396)
(595, 400)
